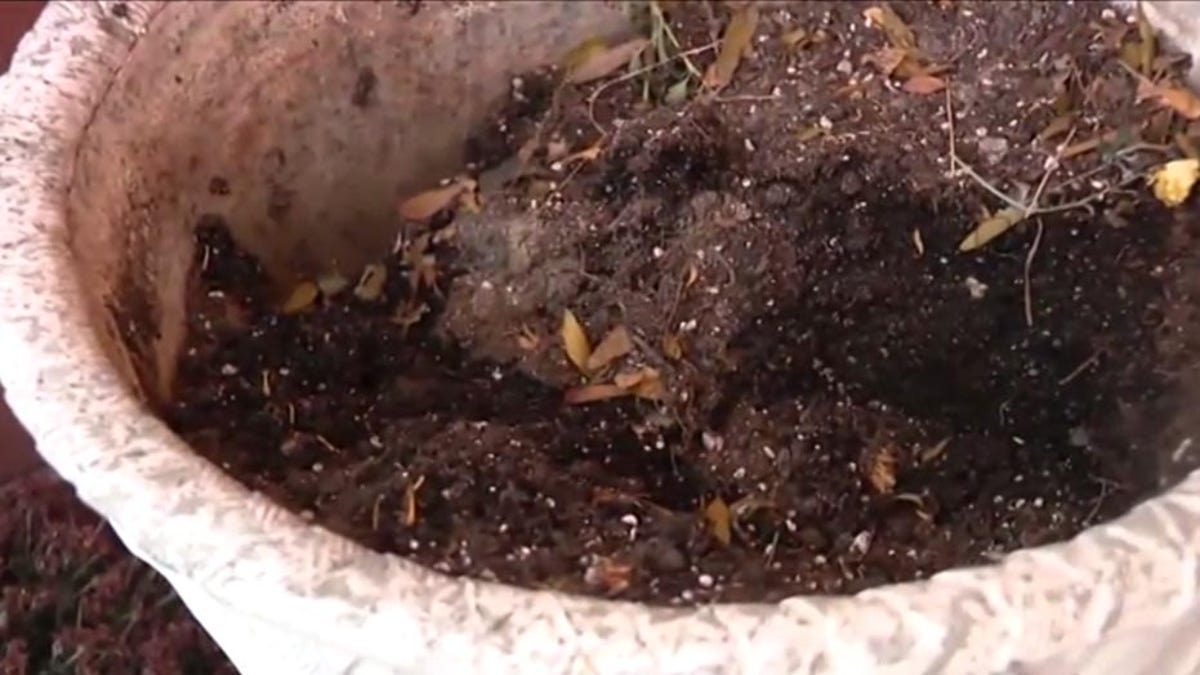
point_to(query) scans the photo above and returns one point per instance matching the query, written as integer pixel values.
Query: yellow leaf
(583, 52)
(1181, 100)
(590, 393)
(924, 85)
(1148, 46)
(992, 227)
(301, 298)
(720, 520)
(881, 471)
(672, 346)
(370, 284)
(614, 345)
(426, 205)
(898, 33)
(734, 43)
(1173, 181)
(575, 341)
(598, 63)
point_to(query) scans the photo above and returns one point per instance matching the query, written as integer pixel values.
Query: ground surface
(832, 395)
(74, 601)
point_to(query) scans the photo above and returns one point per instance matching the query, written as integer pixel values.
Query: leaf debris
(575, 341)
(598, 60)
(734, 44)
(719, 520)
(301, 298)
(614, 345)
(1173, 181)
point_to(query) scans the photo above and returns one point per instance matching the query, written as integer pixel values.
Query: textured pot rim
(255, 558)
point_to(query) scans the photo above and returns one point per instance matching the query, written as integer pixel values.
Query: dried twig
(1091, 360)
(1033, 249)
(638, 73)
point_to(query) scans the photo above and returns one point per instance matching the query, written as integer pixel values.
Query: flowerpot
(123, 122)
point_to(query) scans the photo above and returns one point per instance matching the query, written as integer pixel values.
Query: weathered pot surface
(116, 114)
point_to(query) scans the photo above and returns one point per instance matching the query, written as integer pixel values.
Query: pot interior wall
(299, 124)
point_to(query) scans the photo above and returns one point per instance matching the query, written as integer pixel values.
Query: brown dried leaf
(719, 520)
(672, 346)
(990, 228)
(1147, 45)
(528, 340)
(898, 33)
(426, 205)
(370, 284)
(797, 38)
(301, 298)
(1181, 100)
(614, 345)
(609, 575)
(902, 64)
(590, 393)
(602, 62)
(575, 341)
(410, 501)
(881, 471)
(1080, 148)
(644, 383)
(924, 85)
(1057, 127)
(734, 43)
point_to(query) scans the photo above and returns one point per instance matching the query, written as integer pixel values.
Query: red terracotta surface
(17, 455)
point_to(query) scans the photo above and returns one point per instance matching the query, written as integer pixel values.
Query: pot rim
(253, 557)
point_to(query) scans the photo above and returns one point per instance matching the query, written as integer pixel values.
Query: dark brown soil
(74, 601)
(868, 404)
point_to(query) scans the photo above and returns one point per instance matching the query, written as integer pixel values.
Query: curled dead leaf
(370, 284)
(301, 298)
(734, 43)
(1181, 100)
(528, 340)
(426, 205)
(992, 227)
(590, 393)
(644, 383)
(924, 84)
(719, 520)
(614, 345)
(886, 19)
(410, 501)
(1173, 181)
(881, 469)
(575, 341)
(901, 64)
(672, 346)
(609, 575)
(601, 61)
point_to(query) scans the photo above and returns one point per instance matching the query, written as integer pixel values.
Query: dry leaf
(409, 315)
(1080, 148)
(898, 33)
(609, 575)
(331, 283)
(410, 501)
(676, 93)
(796, 38)
(1147, 45)
(1173, 181)
(644, 383)
(426, 205)
(588, 154)
(370, 284)
(301, 298)
(881, 469)
(583, 52)
(734, 43)
(992, 227)
(1057, 127)
(809, 133)
(614, 345)
(902, 64)
(1181, 100)
(924, 85)
(719, 520)
(590, 393)
(672, 346)
(575, 341)
(598, 63)
(528, 340)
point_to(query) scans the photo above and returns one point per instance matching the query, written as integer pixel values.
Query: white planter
(106, 159)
